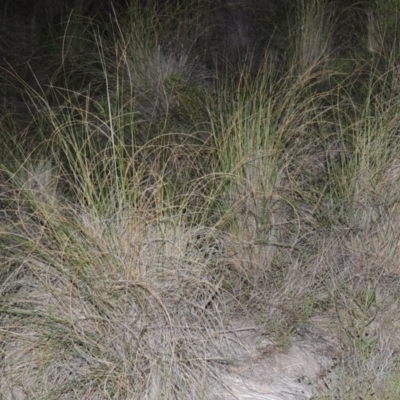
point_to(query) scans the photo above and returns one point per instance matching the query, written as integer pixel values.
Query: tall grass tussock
(199, 200)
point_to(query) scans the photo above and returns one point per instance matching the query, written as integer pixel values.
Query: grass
(152, 201)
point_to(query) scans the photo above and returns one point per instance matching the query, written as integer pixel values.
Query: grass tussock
(177, 221)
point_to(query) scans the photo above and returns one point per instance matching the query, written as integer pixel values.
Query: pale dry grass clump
(358, 262)
(151, 73)
(160, 80)
(312, 36)
(121, 306)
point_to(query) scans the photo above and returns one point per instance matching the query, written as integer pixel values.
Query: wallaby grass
(150, 201)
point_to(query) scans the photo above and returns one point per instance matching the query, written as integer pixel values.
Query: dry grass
(123, 304)
(169, 236)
